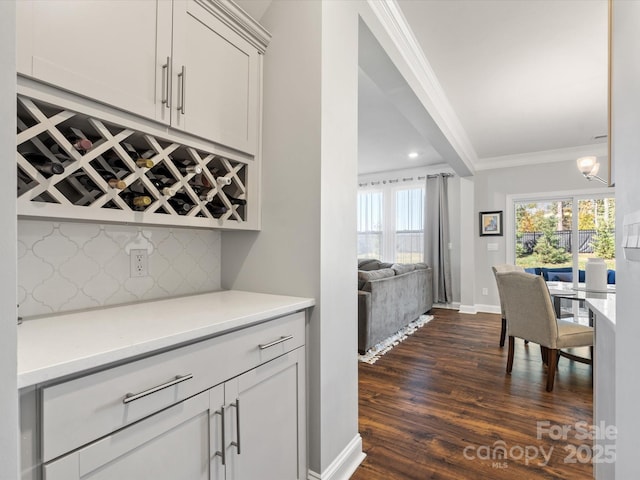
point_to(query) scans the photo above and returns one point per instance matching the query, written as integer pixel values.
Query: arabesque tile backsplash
(65, 266)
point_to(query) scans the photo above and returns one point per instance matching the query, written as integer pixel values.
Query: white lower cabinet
(228, 408)
(265, 428)
(173, 444)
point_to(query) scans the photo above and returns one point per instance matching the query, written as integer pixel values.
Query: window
(563, 233)
(390, 223)
(370, 208)
(409, 232)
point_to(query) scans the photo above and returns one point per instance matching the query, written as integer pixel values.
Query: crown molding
(239, 21)
(389, 14)
(548, 156)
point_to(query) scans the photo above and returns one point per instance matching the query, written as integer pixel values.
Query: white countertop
(605, 307)
(58, 345)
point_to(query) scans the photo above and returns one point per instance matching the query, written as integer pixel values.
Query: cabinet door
(216, 78)
(109, 51)
(169, 445)
(266, 435)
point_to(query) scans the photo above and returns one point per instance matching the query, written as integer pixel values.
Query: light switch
(492, 247)
(631, 236)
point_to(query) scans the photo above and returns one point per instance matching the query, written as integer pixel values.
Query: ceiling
(527, 80)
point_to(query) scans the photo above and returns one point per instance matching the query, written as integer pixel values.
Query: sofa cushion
(369, 264)
(560, 277)
(368, 276)
(421, 266)
(401, 268)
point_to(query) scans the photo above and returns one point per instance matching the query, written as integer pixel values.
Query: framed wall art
(491, 224)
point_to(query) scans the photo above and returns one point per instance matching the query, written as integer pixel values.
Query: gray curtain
(436, 236)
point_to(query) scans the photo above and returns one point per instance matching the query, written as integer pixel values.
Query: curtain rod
(405, 179)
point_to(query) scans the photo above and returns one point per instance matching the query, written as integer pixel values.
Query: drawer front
(78, 411)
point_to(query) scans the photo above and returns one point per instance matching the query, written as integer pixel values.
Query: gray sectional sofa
(390, 296)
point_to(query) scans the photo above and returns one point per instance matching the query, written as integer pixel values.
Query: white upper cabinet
(192, 64)
(216, 78)
(109, 51)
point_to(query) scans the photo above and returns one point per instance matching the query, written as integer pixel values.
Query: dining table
(575, 292)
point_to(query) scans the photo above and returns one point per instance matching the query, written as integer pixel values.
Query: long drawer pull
(263, 346)
(130, 397)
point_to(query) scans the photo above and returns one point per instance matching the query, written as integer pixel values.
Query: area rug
(372, 355)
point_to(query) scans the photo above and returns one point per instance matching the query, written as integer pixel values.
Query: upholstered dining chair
(502, 268)
(530, 314)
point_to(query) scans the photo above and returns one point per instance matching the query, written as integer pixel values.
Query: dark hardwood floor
(440, 406)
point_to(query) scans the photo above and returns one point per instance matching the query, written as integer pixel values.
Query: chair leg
(552, 365)
(503, 332)
(510, 354)
(544, 354)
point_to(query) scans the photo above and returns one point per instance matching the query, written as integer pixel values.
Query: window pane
(409, 234)
(370, 209)
(596, 231)
(544, 235)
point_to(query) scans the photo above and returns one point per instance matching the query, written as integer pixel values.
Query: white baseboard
(479, 308)
(344, 464)
(470, 309)
(489, 309)
(450, 306)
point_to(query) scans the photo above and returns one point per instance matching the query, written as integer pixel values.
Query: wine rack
(180, 184)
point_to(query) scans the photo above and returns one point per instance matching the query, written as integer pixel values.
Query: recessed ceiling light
(413, 155)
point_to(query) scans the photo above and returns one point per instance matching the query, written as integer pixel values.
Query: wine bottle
(44, 163)
(144, 163)
(162, 173)
(223, 181)
(186, 166)
(112, 180)
(200, 180)
(236, 201)
(115, 183)
(77, 140)
(165, 185)
(136, 200)
(186, 169)
(180, 204)
(216, 210)
(207, 195)
(168, 191)
(140, 161)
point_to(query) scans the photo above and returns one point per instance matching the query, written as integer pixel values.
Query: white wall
(626, 148)
(491, 190)
(8, 384)
(307, 246)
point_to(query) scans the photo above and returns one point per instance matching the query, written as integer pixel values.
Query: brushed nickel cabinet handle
(130, 397)
(237, 442)
(166, 78)
(222, 452)
(182, 77)
(262, 346)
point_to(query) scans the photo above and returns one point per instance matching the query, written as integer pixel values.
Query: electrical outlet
(485, 291)
(139, 263)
